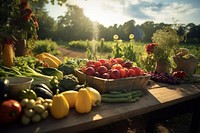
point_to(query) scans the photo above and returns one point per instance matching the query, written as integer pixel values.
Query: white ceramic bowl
(16, 84)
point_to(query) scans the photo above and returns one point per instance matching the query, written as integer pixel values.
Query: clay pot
(162, 67)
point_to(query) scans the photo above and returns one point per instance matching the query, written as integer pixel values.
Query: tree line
(74, 25)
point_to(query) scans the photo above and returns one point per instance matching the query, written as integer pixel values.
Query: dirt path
(70, 53)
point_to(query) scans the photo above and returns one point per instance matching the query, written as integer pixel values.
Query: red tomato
(115, 74)
(103, 61)
(90, 63)
(137, 70)
(119, 60)
(123, 72)
(83, 69)
(97, 64)
(113, 61)
(10, 111)
(117, 66)
(131, 73)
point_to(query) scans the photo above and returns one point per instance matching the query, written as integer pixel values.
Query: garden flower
(150, 48)
(102, 39)
(115, 37)
(131, 36)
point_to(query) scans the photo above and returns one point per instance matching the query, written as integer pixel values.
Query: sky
(110, 12)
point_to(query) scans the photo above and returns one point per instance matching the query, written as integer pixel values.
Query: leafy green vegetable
(52, 72)
(68, 67)
(69, 82)
(23, 70)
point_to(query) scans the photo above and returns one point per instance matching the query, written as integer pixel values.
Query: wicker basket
(104, 85)
(186, 65)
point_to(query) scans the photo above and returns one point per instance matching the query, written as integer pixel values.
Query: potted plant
(165, 42)
(19, 21)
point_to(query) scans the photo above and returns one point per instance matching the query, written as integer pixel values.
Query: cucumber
(115, 100)
(120, 95)
(138, 94)
(133, 99)
(115, 92)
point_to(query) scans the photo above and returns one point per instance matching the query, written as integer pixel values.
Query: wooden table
(157, 97)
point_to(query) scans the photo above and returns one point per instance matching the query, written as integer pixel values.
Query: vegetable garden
(52, 76)
(112, 72)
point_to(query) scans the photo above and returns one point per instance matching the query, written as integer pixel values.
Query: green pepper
(27, 93)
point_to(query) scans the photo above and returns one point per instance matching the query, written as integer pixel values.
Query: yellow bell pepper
(70, 96)
(60, 106)
(83, 101)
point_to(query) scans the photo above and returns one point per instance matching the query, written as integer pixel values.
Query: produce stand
(157, 97)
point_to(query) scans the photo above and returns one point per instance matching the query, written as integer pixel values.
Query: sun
(96, 13)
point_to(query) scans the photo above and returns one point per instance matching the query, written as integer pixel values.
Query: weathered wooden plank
(170, 93)
(156, 98)
(102, 115)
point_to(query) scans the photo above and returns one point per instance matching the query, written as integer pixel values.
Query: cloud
(140, 10)
(169, 11)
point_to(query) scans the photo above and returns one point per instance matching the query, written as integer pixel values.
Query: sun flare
(98, 14)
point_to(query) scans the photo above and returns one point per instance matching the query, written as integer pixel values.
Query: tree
(46, 23)
(148, 29)
(128, 29)
(74, 25)
(193, 33)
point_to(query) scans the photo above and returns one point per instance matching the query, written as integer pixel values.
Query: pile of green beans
(122, 96)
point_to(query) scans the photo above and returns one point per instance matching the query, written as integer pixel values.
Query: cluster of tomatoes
(113, 68)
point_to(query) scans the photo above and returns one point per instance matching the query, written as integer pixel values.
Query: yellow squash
(83, 101)
(51, 62)
(70, 96)
(40, 57)
(60, 106)
(50, 59)
(54, 58)
(94, 96)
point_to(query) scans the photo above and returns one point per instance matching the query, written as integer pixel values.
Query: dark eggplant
(42, 92)
(45, 87)
(4, 88)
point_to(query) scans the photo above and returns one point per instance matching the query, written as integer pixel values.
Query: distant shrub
(45, 46)
(83, 45)
(78, 45)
